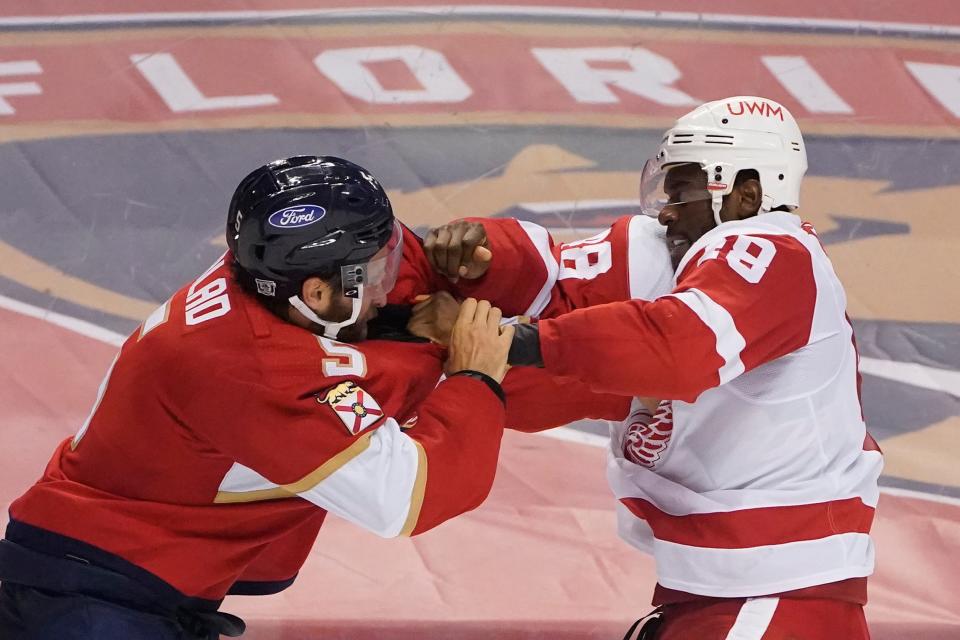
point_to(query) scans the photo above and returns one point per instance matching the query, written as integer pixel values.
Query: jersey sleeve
(366, 468)
(537, 400)
(547, 279)
(742, 301)
(416, 276)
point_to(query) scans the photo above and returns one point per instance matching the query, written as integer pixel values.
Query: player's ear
(751, 197)
(316, 293)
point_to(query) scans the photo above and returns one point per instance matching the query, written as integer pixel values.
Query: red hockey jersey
(220, 429)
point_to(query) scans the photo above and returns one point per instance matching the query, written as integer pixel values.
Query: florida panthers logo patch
(355, 407)
(648, 436)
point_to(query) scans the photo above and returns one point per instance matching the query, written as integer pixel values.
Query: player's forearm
(539, 400)
(397, 480)
(458, 429)
(633, 348)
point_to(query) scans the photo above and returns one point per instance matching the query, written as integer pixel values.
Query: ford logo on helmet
(293, 217)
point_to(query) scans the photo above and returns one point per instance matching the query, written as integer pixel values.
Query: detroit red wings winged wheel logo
(355, 407)
(648, 436)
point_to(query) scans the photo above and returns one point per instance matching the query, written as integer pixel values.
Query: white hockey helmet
(725, 137)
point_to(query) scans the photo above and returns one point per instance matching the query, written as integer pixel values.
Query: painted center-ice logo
(647, 436)
(293, 217)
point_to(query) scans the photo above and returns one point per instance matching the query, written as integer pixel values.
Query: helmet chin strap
(717, 204)
(330, 329)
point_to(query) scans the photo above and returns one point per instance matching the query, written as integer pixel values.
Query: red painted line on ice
(941, 12)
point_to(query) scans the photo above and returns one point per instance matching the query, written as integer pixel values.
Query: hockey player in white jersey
(754, 481)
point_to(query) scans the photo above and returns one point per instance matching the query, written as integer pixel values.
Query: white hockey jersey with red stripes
(759, 477)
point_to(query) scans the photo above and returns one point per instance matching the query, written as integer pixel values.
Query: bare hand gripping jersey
(223, 435)
(759, 477)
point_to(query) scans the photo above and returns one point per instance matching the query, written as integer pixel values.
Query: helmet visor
(660, 189)
(379, 274)
(385, 265)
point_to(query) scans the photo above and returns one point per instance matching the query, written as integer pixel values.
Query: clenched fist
(433, 317)
(458, 250)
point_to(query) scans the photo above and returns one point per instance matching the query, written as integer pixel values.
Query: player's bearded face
(340, 309)
(688, 214)
(380, 275)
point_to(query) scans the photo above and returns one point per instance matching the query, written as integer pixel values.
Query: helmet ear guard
(352, 276)
(721, 177)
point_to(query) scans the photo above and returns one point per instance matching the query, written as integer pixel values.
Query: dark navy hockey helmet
(309, 215)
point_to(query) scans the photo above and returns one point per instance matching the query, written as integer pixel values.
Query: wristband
(485, 379)
(525, 348)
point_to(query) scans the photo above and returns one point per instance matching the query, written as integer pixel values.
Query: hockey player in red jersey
(242, 411)
(754, 482)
